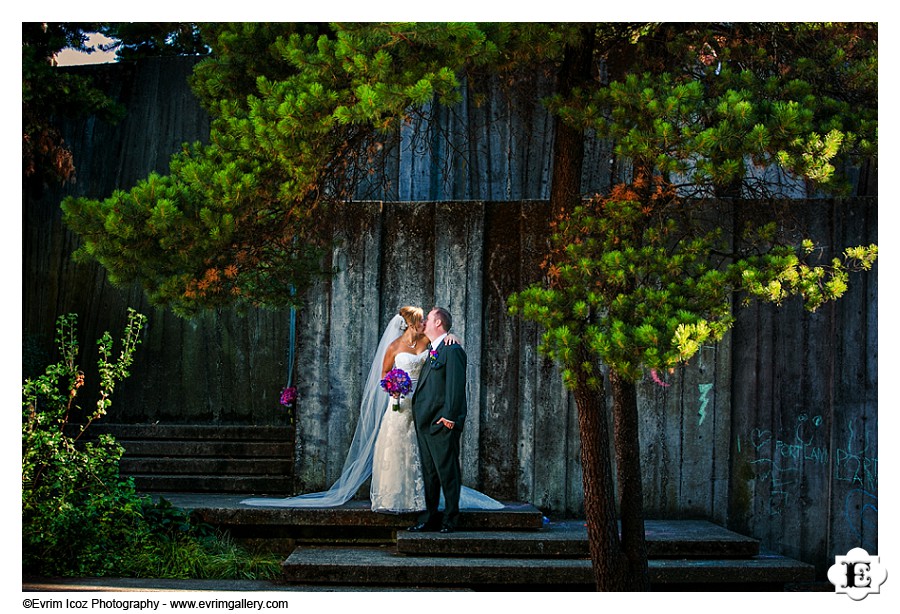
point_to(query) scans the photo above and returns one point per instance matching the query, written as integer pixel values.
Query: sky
(71, 57)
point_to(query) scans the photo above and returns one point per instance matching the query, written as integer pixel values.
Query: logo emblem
(857, 574)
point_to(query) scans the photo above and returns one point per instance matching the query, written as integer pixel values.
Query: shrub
(79, 516)
(77, 512)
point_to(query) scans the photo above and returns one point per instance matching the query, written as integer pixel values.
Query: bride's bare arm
(389, 357)
(452, 339)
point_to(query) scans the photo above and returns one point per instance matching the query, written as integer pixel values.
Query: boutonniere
(433, 355)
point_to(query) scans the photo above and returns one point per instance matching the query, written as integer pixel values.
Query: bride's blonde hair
(411, 315)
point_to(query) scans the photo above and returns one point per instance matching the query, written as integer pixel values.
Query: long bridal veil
(358, 466)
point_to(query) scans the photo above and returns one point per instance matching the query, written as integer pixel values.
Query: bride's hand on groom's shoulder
(452, 339)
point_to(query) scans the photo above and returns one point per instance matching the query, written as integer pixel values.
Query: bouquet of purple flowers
(397, 382)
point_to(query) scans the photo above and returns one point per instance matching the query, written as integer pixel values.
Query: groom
(439, 408)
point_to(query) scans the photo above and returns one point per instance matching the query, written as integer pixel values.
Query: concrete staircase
(209, 470)
(685, 555)
(213, 459)
(509, 549)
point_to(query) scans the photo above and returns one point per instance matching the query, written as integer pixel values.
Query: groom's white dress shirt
(437, 342)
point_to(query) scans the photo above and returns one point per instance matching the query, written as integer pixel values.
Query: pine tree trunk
(628, 471)
(568, 146)
(609, 564)
(596, 456)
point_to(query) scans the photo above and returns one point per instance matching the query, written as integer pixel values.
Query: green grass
(214, 557)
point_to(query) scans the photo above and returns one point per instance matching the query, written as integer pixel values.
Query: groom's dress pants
(440, 470)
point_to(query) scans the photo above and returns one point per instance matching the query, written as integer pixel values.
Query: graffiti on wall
(781, 462)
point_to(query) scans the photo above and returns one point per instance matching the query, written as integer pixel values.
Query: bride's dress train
(384, 447)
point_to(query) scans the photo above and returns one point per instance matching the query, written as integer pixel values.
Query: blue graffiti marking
(704, 400)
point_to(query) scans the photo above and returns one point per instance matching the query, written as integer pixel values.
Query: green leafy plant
(640, 288)
(77, 512)
(79, 515)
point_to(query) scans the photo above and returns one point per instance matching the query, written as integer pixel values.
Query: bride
(384, 445)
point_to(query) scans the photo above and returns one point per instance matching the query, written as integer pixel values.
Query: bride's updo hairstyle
(412, 316)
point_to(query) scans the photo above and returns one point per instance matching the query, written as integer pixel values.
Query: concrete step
(223, 432)
(351, 523)
(186, 448)
(665, 539)
(510, 549)
(233, 484)
(176, 466)
(385, 567)
(237, 459)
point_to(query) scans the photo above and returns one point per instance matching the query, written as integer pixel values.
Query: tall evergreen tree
(641, 277)
(239, 220)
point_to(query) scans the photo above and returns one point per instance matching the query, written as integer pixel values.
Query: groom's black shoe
(420, 528)
(446, 529)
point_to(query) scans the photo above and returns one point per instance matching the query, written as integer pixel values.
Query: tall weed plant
(79, 515)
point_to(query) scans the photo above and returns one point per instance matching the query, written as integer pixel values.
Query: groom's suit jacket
(441, 391)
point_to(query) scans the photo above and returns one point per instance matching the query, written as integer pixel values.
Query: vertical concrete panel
(659, 473)
(345, 336)
(545, 419)
(854, 496)
(500, 366)
(313, 401)
(407, 264)
(458, 272)
(721, 399)
(699, 437)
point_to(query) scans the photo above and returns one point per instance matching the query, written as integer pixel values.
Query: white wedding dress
(397, 484)
(397, 481)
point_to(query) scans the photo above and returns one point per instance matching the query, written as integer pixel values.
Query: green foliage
(300, 110)
(639, 279)
(640, 287)
(77, 513)
(243, 220)
(79, 516)
(188, 555)
(719, 101)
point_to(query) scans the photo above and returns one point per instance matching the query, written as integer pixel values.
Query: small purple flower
(288, 396)
(433, 355)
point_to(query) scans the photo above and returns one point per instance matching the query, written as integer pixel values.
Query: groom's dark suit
(441, 393)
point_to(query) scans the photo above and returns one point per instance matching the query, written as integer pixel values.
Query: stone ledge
(228, 511)
(382, 566)
(665, 538)
(210, 432)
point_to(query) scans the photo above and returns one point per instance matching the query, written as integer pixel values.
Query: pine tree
(243, 219)
(640, 278)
